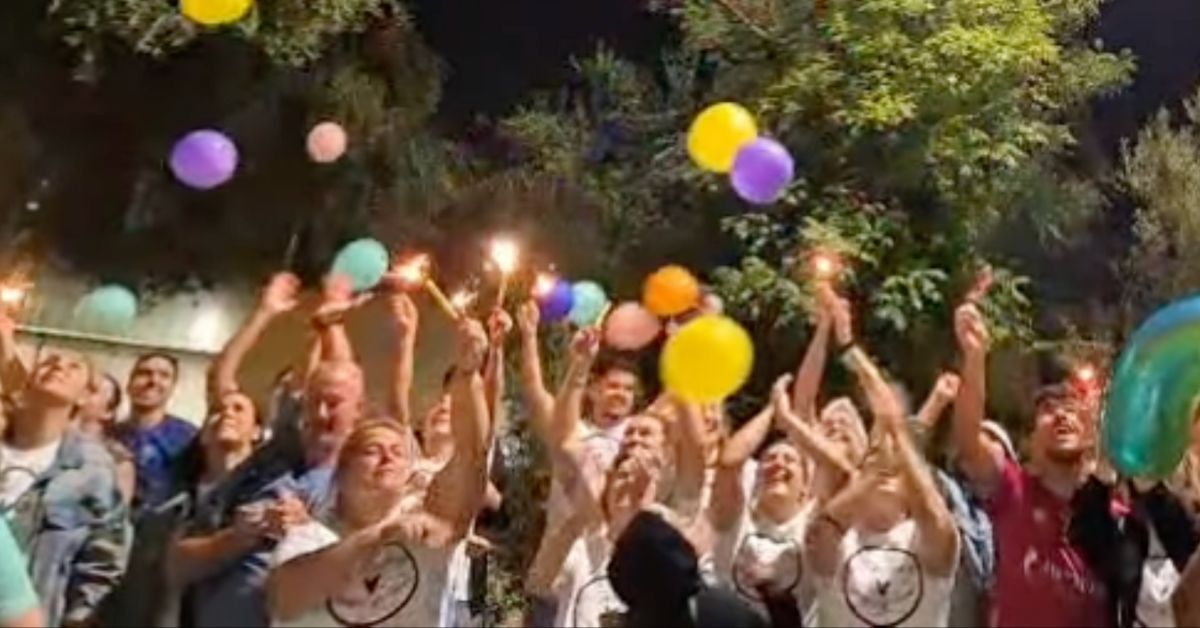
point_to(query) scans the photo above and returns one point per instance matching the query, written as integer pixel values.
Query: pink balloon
(326, 142)
(631, 327)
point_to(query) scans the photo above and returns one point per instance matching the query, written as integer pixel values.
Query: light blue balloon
(1150, 403)
(109, 309)
(364, 261)
(590, 301)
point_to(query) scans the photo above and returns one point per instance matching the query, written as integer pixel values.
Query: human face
(613, 396)
(62, 376)
(333, 404)
(781, 472)
(233, 423)
(630, 481)
(1064, 431)
(151, 383)
(437, 421)
(644, 433)
(841, 423)
(376, 464)
(96, 406)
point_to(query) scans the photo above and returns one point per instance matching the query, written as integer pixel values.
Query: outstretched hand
(472, 345)
(529, 316)
(971, 330)
(585, 346)
(404, 313)
(281, 294)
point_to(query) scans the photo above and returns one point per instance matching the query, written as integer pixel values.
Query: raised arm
(407, 320)
(337, 300)
(748, 438)
(943, 394)
(689, 460)
(279, 296)
(499, 325)
(538, 400)
(13, 372)
(939, 547)
(804, 435)
(568, 405)
(824, 536)
(975, 458)
(812, 368)
(457, 491)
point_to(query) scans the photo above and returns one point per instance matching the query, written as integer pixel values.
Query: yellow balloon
(215, 12)
(718, 133)
(707, 360)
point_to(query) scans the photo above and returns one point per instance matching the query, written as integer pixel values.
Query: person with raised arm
(380, 556)
(60, 495)
(884, 551)
(1041, 576)
(280, 486)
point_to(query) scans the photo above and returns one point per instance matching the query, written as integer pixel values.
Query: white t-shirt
(1159, 578)
(399, 586)
(20, 468)
(585, 595)
(880, 581)
(756, 549)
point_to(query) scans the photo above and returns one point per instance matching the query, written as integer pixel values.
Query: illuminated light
(505, 254)
(11, 295)
(543, 285)
(462, 299)
(825, 265)
(415, 271)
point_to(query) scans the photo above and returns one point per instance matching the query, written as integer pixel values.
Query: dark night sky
(496, 50)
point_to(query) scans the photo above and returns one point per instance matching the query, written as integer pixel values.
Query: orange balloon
(671, 291)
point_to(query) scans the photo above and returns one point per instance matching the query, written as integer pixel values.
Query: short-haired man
(156, 438)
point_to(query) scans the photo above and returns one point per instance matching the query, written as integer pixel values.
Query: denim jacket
(74, 530)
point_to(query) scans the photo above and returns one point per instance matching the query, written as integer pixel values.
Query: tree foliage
(1160, 172)
(294, 32)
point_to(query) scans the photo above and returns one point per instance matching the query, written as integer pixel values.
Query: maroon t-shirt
(1041, 579)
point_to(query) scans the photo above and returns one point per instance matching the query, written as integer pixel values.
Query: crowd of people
(319, 507)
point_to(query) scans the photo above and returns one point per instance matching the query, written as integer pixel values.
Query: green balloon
(364, 261)
(109, 309)
(1152, 398)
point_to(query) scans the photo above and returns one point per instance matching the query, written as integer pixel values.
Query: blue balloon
(556, 305)
(1151, 400)
(590, 301)
(364, 261)
(109, 309)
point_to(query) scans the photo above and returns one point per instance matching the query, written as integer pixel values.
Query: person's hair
(117, 396)
(607, 363)
(360, 434)
(1049, 393)
(160, 355)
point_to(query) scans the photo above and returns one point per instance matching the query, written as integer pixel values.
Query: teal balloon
(109, 309)
(364, 261)
(590, 300)
(1148, 411)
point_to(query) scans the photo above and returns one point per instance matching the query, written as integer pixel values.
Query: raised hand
(281, 294)
(837, 309)
(499, 324)
(472, 345)
(529, 316)
(946, 388)
(781, 398)
(971, 330)
(283, 514)
(585, 346)
(404, 313)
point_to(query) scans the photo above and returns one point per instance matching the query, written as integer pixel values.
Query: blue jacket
(73, 528)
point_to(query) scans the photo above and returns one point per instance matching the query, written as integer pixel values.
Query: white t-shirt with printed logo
(880, 581)
(1159, 579)
(585, 595)
(20, 468)
(400, 585)
(756, 548)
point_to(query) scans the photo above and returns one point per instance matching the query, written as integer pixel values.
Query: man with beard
(155, 438)
(1042, 579)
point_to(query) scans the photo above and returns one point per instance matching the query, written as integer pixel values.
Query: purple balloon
(556, 305)
(761, 171)
(204, 159)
